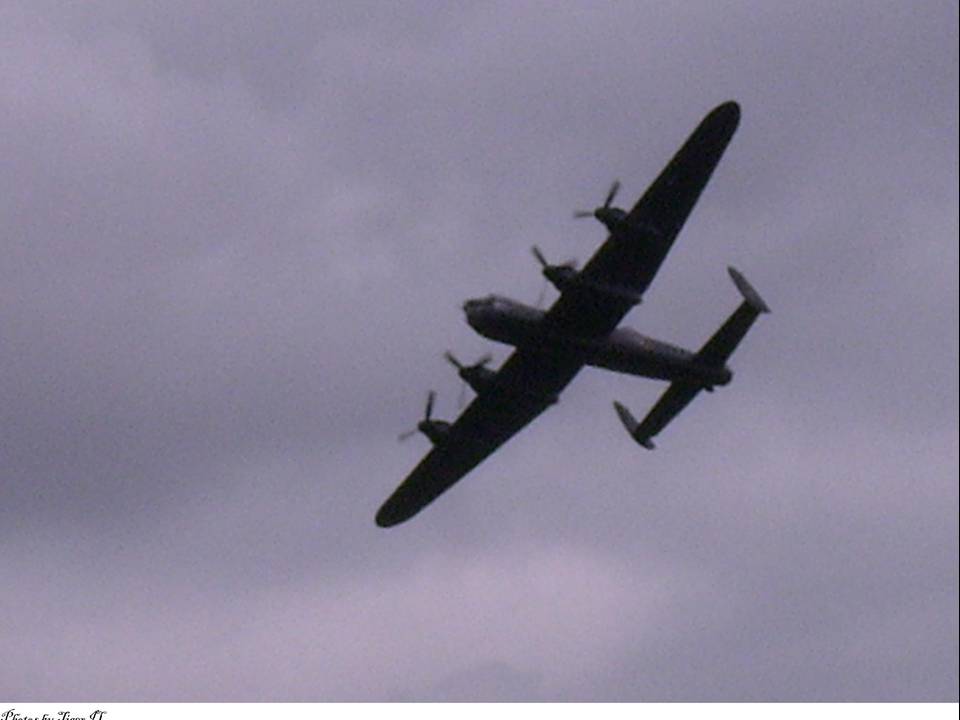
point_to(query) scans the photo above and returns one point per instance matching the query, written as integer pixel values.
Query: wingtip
(730, 109)
(725, 117)
(387, 517)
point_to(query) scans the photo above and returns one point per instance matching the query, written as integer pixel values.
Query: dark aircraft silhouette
(581, 329)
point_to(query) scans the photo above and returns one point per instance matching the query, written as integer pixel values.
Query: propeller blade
(614, 189)
(582, 214)
(428, 411)
(453, 360)
(542, 295)
(539, 256)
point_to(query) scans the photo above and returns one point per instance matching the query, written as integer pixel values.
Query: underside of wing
(623, 268)
(442, 467)
(527, 384)
(660, 214)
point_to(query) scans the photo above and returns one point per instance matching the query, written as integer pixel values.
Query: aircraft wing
(606, 289)
(526, 385)
(620, 272)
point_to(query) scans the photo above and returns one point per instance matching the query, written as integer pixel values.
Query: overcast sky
(236, 238)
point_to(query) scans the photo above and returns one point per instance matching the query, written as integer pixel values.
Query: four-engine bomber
(580, 328)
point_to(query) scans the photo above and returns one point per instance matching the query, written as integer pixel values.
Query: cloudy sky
(236, 237)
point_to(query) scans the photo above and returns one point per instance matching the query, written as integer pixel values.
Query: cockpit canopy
(491, 302)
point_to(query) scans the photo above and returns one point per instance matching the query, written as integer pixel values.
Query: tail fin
(675, 399)
(632, 426)
(746, 289)
(718, 348)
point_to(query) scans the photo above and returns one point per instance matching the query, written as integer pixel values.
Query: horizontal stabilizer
(718, 348)
(713, 354)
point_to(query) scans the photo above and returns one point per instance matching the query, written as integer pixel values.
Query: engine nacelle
(436, 430)
(478, 377)
(613, 218)
(560, 276)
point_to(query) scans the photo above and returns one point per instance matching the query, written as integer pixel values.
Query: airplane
(580, 328)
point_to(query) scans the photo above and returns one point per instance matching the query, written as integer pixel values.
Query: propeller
(544, 264)
(451, 358)
(611, 194)
(427, 412)
(541, 258)
(463, 369)
(551, 273)
(542, 295)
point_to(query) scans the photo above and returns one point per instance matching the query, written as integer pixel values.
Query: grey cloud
(237, 239)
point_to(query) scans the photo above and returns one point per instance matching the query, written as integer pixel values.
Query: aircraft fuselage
(624, 350)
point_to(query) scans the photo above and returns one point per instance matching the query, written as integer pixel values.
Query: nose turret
(476, 310)
(473, 308)
(502, 319)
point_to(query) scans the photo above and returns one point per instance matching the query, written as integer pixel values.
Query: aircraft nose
(472, 309)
